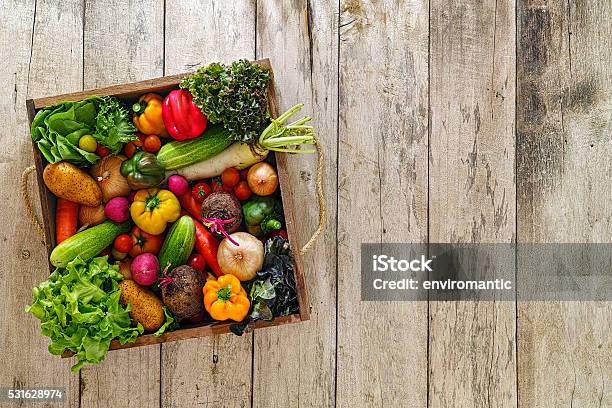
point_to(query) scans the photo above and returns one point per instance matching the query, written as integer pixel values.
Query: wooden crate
(129, 94)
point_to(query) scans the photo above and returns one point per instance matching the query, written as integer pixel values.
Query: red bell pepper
(182, 118)
(207, 245)
(190, 205)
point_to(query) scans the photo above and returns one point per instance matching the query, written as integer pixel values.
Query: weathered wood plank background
(447, 121)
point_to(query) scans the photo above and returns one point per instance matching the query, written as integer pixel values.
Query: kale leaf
(235, 95)
(273, 291)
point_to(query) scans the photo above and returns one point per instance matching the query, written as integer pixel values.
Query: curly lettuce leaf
(79, 309)
(114, 126)
(169, 325)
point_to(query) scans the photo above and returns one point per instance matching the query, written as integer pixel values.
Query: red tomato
(145, 242)
(243, 174)
(131, 147)
(242, 191)
(151, 144)
(200, 191)
(123, 243)
(216, 184)
(197, 262)
(102, 151)
(230, 177)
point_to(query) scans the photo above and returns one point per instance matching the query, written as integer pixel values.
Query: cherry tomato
(123, 243)
(243, 174)
(200, 191)
(230, 177)
(119, 256)
(242, 191)
(197, 262)
(278, 233)
(102, 151)
(216, 184)
(151, 144)
(228, 189)
(88, 143)
(131, 147)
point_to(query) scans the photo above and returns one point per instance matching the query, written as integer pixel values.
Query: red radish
(178, 185)
(145, 269)
(117, 209)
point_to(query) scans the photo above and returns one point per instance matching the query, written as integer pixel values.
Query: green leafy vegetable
(58, 128)
(169, 325)
(114, 127)
(273, 292)
(236, 96)
(79, 309)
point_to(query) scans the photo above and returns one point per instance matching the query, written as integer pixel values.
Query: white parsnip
(239, 155)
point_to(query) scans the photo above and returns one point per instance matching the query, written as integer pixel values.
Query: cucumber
(87, 243)
(178, 244)
(177, 154)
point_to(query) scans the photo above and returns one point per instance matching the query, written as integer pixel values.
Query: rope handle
(28, 203)
(320, 197)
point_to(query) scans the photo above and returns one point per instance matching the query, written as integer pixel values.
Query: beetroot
(182, 292)
(222, 213)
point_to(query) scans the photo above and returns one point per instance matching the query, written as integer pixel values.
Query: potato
(147, 309)
(67, 181)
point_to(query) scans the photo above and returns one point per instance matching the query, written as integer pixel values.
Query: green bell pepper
(262, 215)
(142, 171)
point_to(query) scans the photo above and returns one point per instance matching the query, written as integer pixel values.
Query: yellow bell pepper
(225, 298)
(148, 115)
(153, 208)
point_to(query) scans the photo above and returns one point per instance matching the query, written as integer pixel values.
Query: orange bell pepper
(148, 115)
(225, 298)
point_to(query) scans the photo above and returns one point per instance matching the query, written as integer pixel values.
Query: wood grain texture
(564, 175)
(295, 365)
(472, 345)
(213, 371)
(30, 46)
(382, 188)
(123, 42)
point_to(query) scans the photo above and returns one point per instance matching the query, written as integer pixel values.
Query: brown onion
(243, 260)
(262, 179)
(107, 172)
(91, 215)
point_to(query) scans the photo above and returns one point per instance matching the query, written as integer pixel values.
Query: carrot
(66, 216)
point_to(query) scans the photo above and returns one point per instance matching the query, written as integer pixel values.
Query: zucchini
(177, 154)
(178, 244)
(87, 243)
